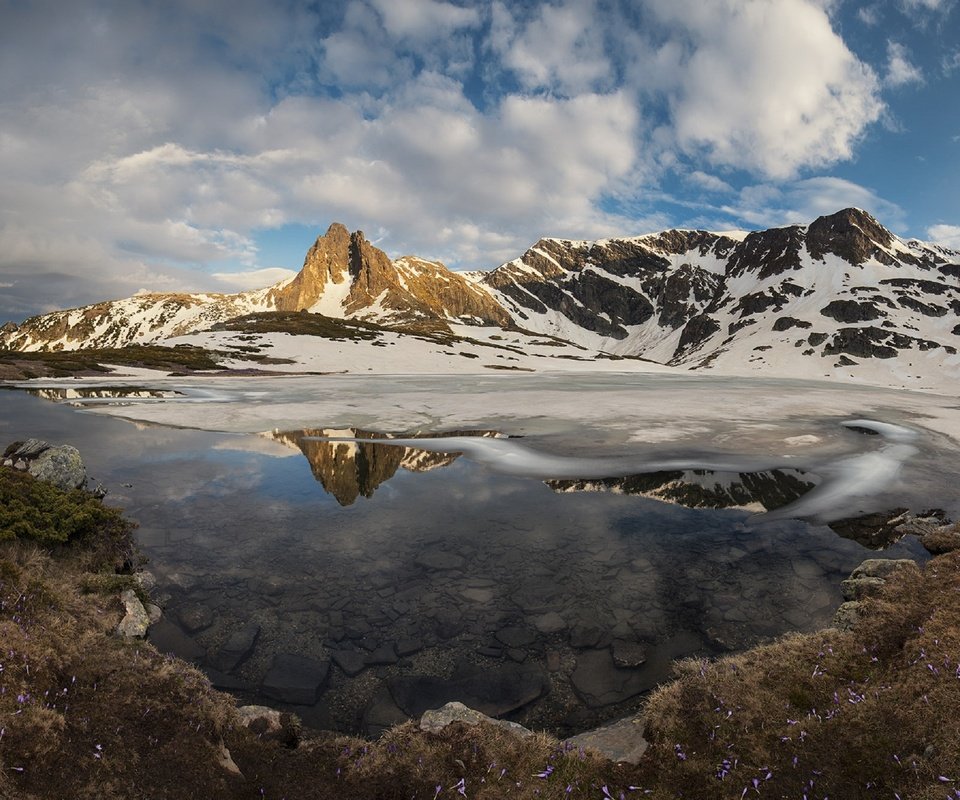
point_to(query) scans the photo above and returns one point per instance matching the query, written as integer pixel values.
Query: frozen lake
(549, 573)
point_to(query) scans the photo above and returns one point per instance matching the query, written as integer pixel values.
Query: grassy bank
(874, 712)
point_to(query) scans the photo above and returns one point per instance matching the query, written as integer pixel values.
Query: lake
(401, 576)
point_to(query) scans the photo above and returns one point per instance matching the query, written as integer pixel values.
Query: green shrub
(31, 509)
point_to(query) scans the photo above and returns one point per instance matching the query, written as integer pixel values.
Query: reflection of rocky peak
(702, 488)
(348, 469)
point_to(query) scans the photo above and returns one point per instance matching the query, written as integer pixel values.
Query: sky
(168, 145)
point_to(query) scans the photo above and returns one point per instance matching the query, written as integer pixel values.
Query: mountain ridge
(841, 289)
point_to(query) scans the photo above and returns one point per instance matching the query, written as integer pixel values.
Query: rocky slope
(841, 297)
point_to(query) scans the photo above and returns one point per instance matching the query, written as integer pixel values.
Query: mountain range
(841, 296)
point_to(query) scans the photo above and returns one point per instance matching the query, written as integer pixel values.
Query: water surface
(423, 575)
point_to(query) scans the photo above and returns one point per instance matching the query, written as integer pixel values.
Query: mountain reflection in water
(89, 396)
(701, 488)
(352, 469)
(352, 463)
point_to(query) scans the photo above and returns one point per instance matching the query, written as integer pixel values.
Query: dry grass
(867, 713)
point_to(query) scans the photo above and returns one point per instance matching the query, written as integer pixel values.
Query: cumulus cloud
(900, 70)
(559, 48)
(946, 235)
(766, 86)
(459, 130)
(424, 19)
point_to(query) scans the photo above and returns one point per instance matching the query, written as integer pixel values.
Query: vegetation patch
(871, 712)
(36, 511)
(301, 323)
(16, 365)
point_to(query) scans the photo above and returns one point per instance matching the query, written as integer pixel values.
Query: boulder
(858, 588)
(135, 619)
(271, 725)
(621, 741)
(59, 465)
(848, 614)
(882, 567)
(434, 721)
(943, 539)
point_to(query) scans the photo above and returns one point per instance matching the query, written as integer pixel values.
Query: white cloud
(767, 86)
(951, 62)
(764, 205)
(946, 235)
(559, 48)
(869, 15)
(158, 172)
(710, 183)
(424, 19)
(900, 70)
(926, 5)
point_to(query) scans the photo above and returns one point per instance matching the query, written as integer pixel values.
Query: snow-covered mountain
(836, 292)
(841, 297)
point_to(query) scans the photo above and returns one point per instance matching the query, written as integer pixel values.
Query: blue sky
(180, 146)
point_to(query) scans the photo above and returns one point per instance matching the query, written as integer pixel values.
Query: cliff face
(344, 275)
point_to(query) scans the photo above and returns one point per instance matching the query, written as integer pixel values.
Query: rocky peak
(327, 261)
(852, 234)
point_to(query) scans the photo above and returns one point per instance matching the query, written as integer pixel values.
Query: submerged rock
(598, 681)
(236, 649)
(168, 638)
(295, 679)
